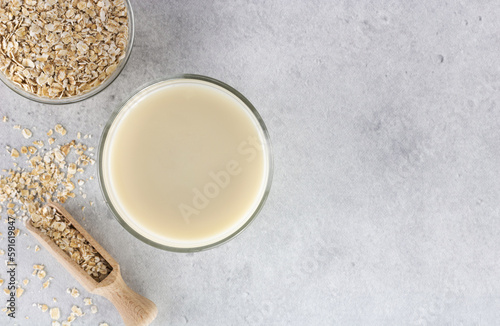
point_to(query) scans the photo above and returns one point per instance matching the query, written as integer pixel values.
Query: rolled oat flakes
(59, 48)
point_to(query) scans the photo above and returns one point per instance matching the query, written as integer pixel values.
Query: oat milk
(185, 163)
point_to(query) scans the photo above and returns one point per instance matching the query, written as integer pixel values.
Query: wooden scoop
(135, 309)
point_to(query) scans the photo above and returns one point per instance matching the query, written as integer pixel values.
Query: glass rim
(269, 159)
(94, 91)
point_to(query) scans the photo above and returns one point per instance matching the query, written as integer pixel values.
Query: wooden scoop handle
(135, 309)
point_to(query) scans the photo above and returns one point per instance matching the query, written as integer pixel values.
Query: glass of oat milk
(185, 164)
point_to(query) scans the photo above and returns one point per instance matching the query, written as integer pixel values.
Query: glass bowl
(106, 187)
(93, 91)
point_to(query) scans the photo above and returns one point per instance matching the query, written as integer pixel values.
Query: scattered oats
(81, 182)
(19, 292)
(45, 178)
(93, 309)
(103, 324)
(84, 196)
(38, 143)
(51, 140)
(17, 127)
(87, 301)
(24, 150)
(86, 136)
(16, 232)
(70, 186)
(80, 170)
(1, 282)
(41, 274)
(79, 135)
(56, 323)
(66, 323)
(44, 307)
(5, 119)
(37, 248)
(46, 284)
(77, 310)
(6, 291)
(26, 281)
(50, 132)
(14, 153)
(60, 129)
(83, 208)
(27, 133)
(72, 168)
(2, 252)
(54, 313)
(72, 316)
(59, 155)
(75, 293)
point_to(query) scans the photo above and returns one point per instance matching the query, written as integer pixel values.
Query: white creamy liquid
(185, 163)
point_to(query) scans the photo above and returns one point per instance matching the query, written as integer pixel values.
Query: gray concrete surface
(385, 122)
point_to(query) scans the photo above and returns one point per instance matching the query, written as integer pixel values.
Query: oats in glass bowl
(58, 51)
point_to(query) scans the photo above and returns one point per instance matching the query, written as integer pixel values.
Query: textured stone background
(385, 122)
